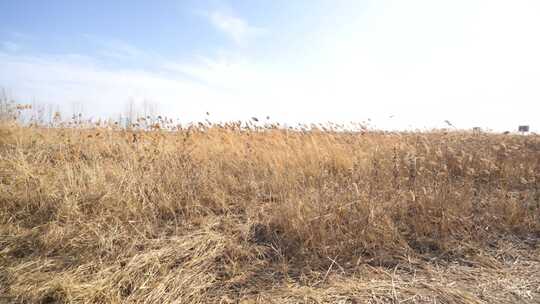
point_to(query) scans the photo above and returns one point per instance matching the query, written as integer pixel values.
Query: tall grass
(220, 213)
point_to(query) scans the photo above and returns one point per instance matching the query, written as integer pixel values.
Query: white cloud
(221, 73)
(228, 90)
(103, 91)
(10, 46)
(238, 29)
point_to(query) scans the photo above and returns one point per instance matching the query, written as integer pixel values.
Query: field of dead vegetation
(228, 215)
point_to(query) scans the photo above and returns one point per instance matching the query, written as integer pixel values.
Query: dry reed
(226, 215)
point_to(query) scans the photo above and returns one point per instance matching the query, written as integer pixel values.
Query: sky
(401, 64)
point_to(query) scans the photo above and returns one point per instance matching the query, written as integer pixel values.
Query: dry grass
(268, 216)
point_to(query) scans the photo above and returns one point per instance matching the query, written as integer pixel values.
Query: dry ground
(224, 215)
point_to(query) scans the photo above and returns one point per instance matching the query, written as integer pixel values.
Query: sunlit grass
(216, 213)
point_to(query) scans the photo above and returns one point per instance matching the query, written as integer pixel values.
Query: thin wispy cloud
(219, 73)
(75, 79)
(10, 46)
(17, 36)
(115, 48)
(236, 28)
(119, 49)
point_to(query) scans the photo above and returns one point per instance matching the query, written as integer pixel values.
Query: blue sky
(401, 63)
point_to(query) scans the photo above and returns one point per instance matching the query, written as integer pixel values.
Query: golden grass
(224, 215)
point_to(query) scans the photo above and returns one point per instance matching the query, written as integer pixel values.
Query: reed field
(228, 214)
